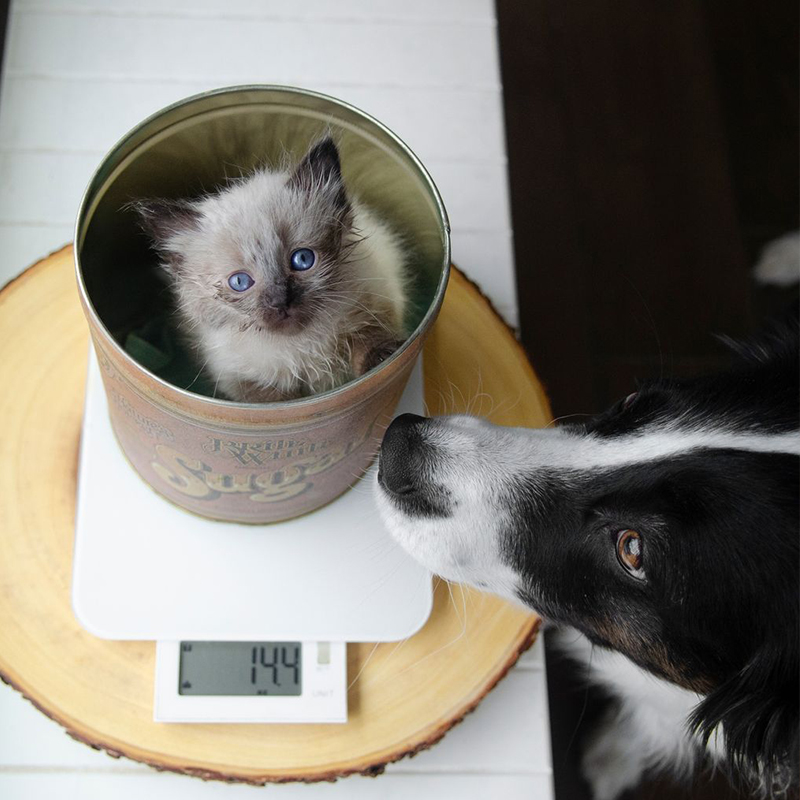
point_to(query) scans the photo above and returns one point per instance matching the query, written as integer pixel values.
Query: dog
(660, 536)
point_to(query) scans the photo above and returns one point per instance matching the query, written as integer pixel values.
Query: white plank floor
(77, 75)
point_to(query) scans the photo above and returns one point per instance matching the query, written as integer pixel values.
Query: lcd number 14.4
(240, 668)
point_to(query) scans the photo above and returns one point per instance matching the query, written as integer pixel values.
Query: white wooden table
(77, 75)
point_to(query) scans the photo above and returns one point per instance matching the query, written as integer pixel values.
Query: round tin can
(231, 461)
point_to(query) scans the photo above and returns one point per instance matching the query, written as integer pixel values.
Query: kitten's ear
(163, 219)
(321, 170)
(320, 165)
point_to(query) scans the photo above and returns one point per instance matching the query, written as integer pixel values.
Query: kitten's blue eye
(240, 281)
(303, 258)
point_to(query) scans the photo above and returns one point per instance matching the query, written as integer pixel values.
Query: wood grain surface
(403, 696)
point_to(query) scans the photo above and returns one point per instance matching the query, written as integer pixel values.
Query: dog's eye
(629, 552)
(628, 400)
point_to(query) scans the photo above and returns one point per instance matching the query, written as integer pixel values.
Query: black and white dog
(663, 536)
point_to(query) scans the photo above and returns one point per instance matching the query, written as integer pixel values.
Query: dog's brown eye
(629, 552)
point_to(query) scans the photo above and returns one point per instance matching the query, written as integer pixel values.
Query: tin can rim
(303, 402)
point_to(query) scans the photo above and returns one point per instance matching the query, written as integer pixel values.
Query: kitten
(285, 286)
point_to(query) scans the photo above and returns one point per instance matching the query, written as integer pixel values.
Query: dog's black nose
(402, 423)
(396, 470)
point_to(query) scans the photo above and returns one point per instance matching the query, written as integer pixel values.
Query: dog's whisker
(566, 416)
(364, 665)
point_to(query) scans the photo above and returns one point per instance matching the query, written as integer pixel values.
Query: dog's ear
(756, 711)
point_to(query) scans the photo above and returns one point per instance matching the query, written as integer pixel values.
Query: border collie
(661, 536)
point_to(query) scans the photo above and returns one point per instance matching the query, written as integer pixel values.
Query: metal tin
(236, 461)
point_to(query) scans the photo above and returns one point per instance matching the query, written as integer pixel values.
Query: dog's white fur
(463, 547)
(779, 263)
(649, 727)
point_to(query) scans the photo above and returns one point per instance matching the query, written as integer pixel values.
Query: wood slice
(404, 696)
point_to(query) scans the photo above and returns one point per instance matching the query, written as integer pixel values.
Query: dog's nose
(396, 471)
(402, 423)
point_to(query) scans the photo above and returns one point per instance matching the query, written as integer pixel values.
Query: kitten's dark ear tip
(320, 162)
(325, 148)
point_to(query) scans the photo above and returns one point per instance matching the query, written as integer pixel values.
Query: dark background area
(653, 151)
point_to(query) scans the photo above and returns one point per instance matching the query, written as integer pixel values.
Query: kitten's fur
(293, 333)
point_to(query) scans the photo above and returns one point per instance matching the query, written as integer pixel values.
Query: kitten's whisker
(199, 372)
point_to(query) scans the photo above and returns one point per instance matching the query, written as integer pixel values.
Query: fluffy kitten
(285, 286)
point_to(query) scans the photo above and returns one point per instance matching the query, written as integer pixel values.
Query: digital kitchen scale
(144, 569)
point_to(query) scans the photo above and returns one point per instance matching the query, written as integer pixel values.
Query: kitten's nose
(398, 468)
(276, 308)
(277, 301)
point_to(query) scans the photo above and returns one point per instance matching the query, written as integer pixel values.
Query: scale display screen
(241, 668)
(266, 681)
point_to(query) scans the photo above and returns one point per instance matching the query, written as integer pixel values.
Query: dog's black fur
(719, 612)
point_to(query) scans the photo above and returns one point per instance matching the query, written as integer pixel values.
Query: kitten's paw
(611, 763)
(247, 391)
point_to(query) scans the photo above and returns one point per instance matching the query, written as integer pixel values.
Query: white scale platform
(145, 569)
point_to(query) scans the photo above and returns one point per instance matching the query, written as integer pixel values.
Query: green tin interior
(200, 143)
